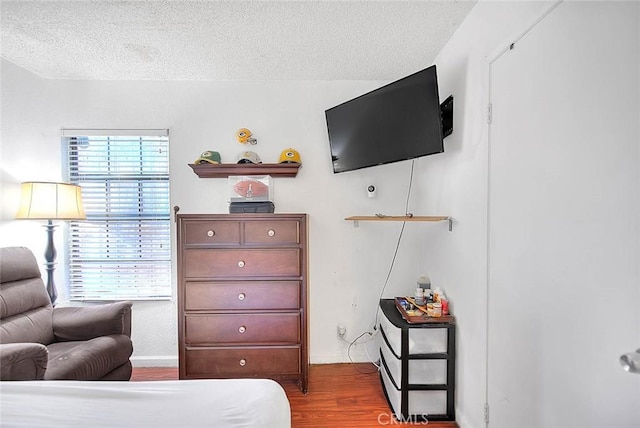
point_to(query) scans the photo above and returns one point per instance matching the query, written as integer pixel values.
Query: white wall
(347, 265)
(456, 184)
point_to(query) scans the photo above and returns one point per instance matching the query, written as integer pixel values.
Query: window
(123, 249)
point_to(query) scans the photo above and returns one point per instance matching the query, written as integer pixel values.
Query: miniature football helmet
(244, 136)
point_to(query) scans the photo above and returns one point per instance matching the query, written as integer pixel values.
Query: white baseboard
(158, 361)
(339, 358)
(327, 358)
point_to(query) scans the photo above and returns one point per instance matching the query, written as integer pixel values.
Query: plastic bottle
(445, 304)
(437, 293)
(437, 310)
(430, 312)
(419, 296)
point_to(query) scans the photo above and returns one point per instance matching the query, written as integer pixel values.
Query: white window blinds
(123, 249)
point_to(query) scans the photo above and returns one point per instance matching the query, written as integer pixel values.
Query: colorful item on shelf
(244, 136)
(249, 157)
(209, 156)
(290, 156)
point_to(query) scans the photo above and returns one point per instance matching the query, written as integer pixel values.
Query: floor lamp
(50, 201)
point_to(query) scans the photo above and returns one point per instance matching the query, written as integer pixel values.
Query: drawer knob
(242, 362)
(271, 232)
(242, 329)
(241, 296)
(210, 233)
(241, 263)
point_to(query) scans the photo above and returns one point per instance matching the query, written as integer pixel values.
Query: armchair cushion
(34, 325)
(88, 322)
(87, 359)
(25, 308)
(23, 361)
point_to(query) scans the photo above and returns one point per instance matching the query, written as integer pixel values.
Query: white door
(564, 221)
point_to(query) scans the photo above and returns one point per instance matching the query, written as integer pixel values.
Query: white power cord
(386, 282)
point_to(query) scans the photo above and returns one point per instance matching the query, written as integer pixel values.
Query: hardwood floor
(340, 395)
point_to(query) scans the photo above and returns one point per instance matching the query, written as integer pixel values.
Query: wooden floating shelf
(397, 218)
(207, 170)
(356, 219)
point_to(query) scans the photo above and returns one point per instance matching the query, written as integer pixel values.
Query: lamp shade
(50, 201)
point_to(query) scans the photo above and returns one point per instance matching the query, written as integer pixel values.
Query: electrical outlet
(342, 330)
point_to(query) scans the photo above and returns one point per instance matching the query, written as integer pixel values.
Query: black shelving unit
(419, 379)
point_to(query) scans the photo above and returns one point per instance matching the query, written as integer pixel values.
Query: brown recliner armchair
(39, 341)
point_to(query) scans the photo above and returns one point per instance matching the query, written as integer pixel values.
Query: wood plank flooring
(340, 395)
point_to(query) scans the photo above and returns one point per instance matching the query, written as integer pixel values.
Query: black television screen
(399, 121)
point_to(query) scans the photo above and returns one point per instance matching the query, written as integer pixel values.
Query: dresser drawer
(218, 263)
(421, 403)
(426, 340)
(211, 232)
(242, 328)
(242, 362)
(425, 371)
(242, 295)
(271, 232)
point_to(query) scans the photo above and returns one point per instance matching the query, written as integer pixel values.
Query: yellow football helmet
(244, 136)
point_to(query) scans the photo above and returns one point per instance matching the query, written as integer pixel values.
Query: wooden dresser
(242, 296)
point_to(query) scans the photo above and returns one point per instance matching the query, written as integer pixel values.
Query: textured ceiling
(227, 40)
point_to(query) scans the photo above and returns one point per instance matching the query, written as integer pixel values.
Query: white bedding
(218, 403)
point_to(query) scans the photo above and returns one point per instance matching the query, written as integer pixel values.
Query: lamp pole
(50, 264)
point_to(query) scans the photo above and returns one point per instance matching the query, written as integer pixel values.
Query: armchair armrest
(88, 322)
(23, 361)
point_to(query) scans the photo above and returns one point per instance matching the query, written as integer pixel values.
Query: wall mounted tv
(399, 121)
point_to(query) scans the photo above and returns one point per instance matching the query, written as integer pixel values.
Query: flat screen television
(399, 121)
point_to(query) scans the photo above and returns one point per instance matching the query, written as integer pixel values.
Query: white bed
(218, 403)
